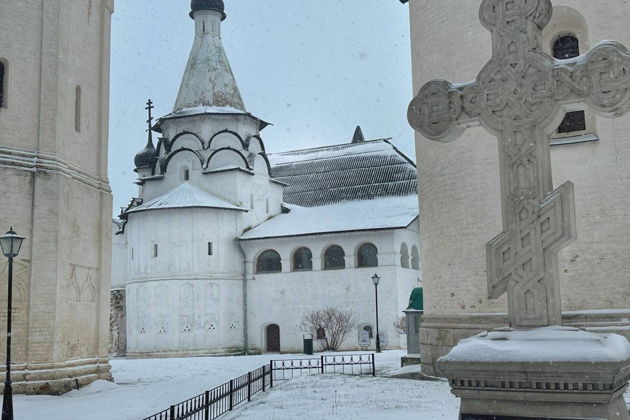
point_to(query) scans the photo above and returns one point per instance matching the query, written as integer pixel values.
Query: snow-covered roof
(355, 171)
(186, 195)
(376, 214)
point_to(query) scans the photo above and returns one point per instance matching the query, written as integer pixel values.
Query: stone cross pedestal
(412, 320)
(520, 96)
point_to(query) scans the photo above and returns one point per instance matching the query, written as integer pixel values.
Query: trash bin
(308, 344)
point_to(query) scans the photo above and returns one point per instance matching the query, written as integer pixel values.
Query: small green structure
(413, 315)
(416, 300)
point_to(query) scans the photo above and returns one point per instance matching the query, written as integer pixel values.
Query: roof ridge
(384, 140)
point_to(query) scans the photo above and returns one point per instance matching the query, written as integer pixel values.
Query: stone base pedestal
(545, 373)
(410, 359)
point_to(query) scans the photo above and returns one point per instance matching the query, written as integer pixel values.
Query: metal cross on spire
(520, 96)
(149, 108)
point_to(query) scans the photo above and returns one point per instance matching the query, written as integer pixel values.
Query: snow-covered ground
(352, 397)
(146, 386)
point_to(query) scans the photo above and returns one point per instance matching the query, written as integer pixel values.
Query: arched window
(302, 260)
(3, 84)
(269, 262)
(334, 258)
(415, 258)
(404, 255)
(367, 256)
(565, 47)
(77, 108)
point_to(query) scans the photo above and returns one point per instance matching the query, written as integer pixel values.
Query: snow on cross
(519, 96)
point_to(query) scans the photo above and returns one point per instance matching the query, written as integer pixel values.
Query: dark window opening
(368, 328)
(334, 258)
(186, 175)
(209, 248)
(404, 255)
(303, 260)
(415, 258)
(77, 109)
(269, 262)
(2, 73)
(367, 256)
(155, 250)
(565, 47)
(573, 121)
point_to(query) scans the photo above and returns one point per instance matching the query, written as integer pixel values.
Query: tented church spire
(208, 80)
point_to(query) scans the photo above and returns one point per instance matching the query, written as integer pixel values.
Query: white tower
(54, 65)
(201, 187)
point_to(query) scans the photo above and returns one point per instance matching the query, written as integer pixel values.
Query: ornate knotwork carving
(516, 96)
(436, 109)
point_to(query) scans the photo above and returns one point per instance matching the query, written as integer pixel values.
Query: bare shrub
(330, 326)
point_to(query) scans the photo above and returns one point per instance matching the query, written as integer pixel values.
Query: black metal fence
(349, 364)
(215, 402)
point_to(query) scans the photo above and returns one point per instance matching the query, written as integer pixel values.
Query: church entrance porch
(272, 338)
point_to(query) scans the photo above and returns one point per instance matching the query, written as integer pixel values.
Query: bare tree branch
(330, 326)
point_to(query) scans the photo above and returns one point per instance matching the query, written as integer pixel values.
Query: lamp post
(10, 243)
(376, 280)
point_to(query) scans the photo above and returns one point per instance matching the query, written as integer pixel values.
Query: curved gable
(225, 157)
(187, 140)
(226, 138)
(180, 154)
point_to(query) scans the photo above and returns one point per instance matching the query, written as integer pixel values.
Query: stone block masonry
(53, 180)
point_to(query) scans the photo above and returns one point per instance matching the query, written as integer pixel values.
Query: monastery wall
(282, 298)
(53, 179)
(459, 188)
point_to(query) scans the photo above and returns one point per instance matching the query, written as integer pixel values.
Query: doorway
(273, 338)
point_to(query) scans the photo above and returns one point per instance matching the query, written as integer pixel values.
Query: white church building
(227, 246)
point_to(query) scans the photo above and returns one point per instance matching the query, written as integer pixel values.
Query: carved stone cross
(517, 96)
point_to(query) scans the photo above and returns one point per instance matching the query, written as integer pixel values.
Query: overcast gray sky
(313, 68)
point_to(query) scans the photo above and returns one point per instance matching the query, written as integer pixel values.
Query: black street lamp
(376, 280)
(10, 243)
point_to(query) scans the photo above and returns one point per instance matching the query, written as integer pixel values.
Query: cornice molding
(33, 161)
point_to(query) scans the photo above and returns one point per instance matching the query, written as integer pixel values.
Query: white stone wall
(282, 298)
(53, 179)
(120, 267)
(459, 182)
(183, 300)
